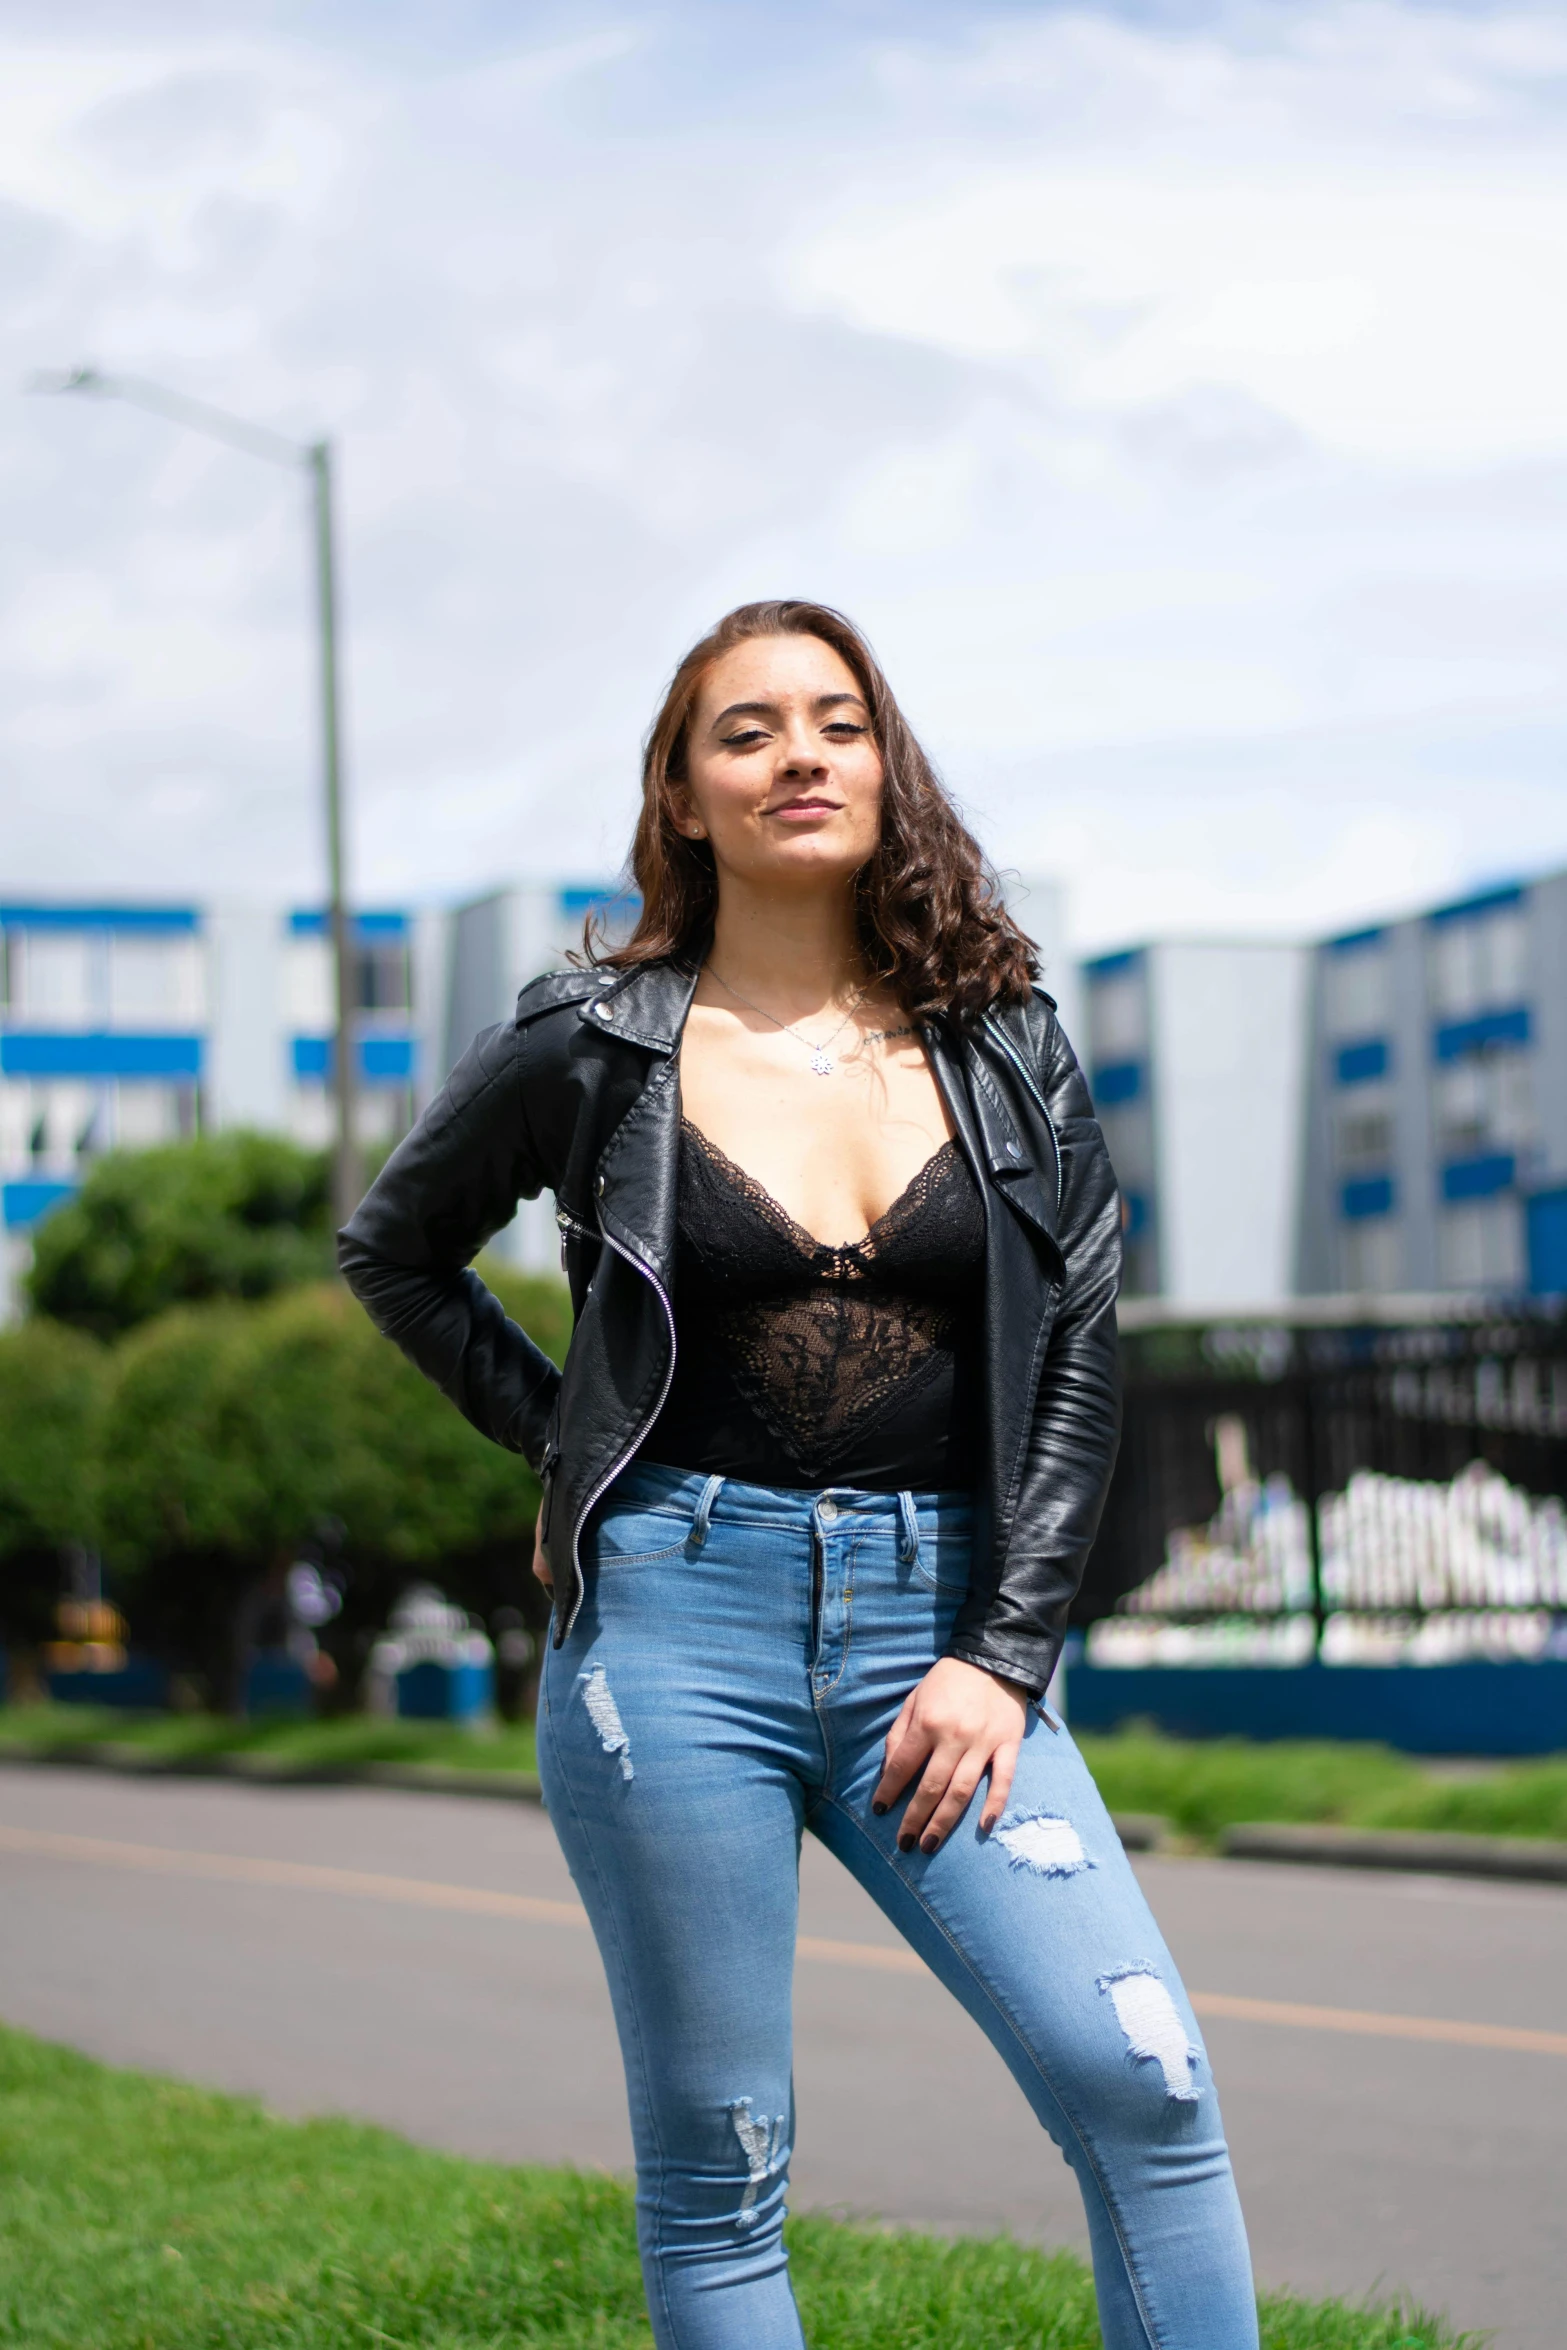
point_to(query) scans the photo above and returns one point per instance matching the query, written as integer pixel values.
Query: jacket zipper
(568, 1224)
(613, 1471)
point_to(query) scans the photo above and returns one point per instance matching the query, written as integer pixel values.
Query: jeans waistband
(651, 1485)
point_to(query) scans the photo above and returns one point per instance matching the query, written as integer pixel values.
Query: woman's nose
(802, 756)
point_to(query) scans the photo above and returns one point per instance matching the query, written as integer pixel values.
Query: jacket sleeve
(1075, 1431)
(450, 1186)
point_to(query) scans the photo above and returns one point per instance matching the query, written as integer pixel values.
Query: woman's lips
(806, 808)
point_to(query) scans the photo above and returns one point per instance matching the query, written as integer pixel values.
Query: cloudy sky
(1177, 394)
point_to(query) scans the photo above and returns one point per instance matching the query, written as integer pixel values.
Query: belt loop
(908, 1530)
(704, 1511)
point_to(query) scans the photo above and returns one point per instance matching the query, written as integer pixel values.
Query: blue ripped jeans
(740, 1656)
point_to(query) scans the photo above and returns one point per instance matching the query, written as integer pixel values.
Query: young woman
(820, 1473)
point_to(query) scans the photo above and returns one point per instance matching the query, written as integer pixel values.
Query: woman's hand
(958, 1724)
(541, 1567)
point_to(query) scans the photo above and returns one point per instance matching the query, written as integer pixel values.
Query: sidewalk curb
(1519, 1859)
(1512, 1857)
(263, 1770)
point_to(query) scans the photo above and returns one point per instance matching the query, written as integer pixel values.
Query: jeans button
(827, 1509)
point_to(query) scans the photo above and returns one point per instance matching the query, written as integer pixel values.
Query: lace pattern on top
(821, 1340)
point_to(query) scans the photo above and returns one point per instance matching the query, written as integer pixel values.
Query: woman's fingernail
(881, 1810)
(905, 1844)
(930, 1844)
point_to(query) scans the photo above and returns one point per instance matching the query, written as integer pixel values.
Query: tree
(234, 1215)
(51, 1390)
(232, 1435)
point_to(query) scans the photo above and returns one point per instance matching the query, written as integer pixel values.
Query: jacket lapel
(1011, 1157)
(635, 1181)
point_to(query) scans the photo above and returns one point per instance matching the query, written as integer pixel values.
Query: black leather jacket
(579, 1094)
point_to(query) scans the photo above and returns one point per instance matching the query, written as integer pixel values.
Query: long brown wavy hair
(931, 918)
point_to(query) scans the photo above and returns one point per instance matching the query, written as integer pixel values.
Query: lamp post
(315, 459)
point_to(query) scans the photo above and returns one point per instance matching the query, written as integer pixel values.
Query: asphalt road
(419, 1959)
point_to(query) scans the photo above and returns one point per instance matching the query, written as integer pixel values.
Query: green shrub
(1203, 1786)
(51, 1388)
(233, 1215)
(233, 1435)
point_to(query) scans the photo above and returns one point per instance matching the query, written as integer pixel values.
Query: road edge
(1513, 1858)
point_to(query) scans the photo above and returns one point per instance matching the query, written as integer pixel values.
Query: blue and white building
(1436, 1130)
(128, 1024)
(1195, 1056)
(125, 1024)
(1382, 1113)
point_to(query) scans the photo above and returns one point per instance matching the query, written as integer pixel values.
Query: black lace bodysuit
(798, 1364)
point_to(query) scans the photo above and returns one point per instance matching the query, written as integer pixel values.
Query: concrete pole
(347, 1183)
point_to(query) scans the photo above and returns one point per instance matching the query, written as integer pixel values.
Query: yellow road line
(1379, 2027)
(478, 1900)
(307, 1876)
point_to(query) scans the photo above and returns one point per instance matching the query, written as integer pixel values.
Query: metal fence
(1324, 1483)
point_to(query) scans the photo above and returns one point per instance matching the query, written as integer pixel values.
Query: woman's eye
(843, 726)
(745, 740)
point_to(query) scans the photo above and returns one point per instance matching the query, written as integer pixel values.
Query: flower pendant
(822, 1062)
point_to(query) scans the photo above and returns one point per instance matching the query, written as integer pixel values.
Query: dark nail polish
(905, 1844)
(880, 1809)
(930, 1844)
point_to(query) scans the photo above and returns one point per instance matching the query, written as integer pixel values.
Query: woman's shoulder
(563, 1013)
(1029, 1023)
(558, 991)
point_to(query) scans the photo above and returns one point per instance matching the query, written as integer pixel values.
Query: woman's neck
(794, 953)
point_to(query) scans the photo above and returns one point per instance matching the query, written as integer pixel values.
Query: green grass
(138, 2214)
(1201, 1786)
(1205, 1786)
(349, 1739)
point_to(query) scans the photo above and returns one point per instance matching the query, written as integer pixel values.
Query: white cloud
(1180, 408)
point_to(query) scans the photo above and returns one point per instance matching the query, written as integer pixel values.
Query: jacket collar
(646, 1006)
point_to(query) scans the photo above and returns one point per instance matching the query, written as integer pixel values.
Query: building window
(1371, 1254)
(146, 1115)
(155, 981)
(1117, 1012)
(1363, 1134)
(1484, 1103)
(382, 977)
(1480, 1244)
(1357, 986)
(53, 978)
(1477, 958)
(51, 1127)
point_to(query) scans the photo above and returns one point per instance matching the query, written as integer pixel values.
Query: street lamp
(314, 458)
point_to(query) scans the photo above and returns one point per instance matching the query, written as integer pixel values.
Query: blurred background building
(1195, 1057)
(1383, 1113)
(1436, 1125)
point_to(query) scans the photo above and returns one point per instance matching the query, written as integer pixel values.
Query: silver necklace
(821, 1059)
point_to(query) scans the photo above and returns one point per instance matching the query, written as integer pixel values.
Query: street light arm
(254, 439)
(315, 459)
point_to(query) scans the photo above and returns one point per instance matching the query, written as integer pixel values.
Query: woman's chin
(805, 861)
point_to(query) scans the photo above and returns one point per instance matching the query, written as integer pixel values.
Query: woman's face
(784, 777)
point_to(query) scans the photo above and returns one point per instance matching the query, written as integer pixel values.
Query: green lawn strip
(1204, 1786)
(1201, 1786)
(343, 1741)
(140, 2214)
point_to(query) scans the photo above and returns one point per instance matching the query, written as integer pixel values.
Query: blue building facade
(125, 1025)
(1436, 1131)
